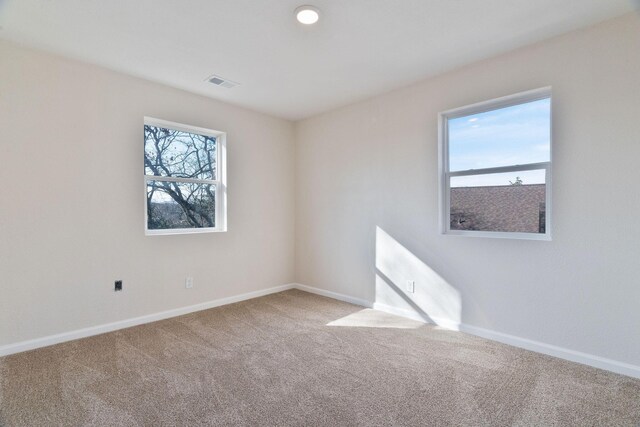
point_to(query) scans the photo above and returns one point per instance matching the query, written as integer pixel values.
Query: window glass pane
(180, 205)
(169, 152)
(513, 202)
(515, 135)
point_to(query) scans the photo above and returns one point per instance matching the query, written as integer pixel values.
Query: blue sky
(514, 135)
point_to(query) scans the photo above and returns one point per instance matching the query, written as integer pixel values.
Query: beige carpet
(299, 359)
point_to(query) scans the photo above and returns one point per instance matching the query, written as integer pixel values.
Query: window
(495, 167)
(184, 178)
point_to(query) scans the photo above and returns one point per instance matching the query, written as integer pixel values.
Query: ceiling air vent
(222, 82)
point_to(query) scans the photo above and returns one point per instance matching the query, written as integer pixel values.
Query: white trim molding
(154, 317)
(527, 344)
(555, 351)
(334, 295)
(135, 321)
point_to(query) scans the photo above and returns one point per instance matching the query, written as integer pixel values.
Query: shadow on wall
(433, 300)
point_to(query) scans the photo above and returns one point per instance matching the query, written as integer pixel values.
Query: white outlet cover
(188, 283)
(411, 286)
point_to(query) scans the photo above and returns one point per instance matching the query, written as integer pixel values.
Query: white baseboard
(555, 351)
(121, 324)
(539, 347)
(334, 295)
(527, 344)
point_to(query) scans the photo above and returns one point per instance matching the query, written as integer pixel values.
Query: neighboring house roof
(517, 208)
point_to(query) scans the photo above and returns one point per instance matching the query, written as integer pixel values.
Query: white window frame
(445, 174)
(220, 183)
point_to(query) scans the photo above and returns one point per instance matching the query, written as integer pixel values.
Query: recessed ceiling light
(307, 15)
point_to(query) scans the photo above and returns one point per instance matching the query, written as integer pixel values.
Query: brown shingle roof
(517, 208)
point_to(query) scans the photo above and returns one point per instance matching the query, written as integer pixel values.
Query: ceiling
(359, 48)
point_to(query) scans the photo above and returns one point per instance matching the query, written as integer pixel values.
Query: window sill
(499, 235)
(178, 231)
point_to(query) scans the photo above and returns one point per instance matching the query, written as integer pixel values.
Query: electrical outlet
(411, 286)
(118, 285)
(188, 283)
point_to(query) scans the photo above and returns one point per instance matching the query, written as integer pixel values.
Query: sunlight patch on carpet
(369, 318)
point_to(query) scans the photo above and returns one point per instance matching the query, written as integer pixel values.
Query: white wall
(72, 200)
(367, 200)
